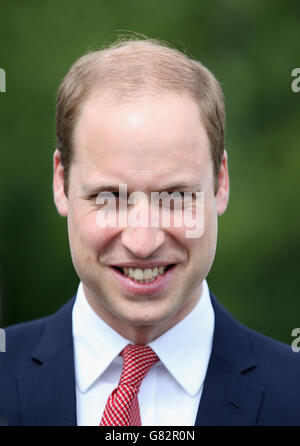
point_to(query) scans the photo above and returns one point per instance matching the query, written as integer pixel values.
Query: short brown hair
(131, 67)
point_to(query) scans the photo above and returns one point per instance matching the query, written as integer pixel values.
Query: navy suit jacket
(251, 379)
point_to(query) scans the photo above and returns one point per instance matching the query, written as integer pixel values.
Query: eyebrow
(176, 186)
(100, 188)
(92, 189)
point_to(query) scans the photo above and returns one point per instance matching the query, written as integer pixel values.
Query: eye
(106, 195)
(185, 195)
(170, 192)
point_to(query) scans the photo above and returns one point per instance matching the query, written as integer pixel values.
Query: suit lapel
(47, 388)
(228, 397)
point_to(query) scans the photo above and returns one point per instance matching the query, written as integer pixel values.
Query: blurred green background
(252, 48)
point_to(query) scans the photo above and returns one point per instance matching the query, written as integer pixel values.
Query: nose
(143, 242)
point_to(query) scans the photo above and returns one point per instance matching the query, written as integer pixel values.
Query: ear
(60, 199)
(222, 197)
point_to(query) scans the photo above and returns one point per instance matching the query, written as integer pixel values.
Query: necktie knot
(122, 408)
(138, 359)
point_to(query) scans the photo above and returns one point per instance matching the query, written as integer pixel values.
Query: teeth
(155, 272)
(147, 275)
(138, 274)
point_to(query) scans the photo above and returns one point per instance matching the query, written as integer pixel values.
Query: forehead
(148, 139)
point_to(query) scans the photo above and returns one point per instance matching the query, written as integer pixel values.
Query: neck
(142, 333)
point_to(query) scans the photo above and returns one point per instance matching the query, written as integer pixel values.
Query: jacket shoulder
(22, 338)
(237, 340)
(278, 366)
(275, 349)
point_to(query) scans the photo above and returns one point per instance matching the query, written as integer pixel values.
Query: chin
(144, 318)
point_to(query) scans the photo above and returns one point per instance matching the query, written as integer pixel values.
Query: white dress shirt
(170, 393)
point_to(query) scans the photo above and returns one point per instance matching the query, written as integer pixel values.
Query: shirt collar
(184, 349)
(95, 342)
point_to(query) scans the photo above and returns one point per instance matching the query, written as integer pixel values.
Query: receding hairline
(127, 69)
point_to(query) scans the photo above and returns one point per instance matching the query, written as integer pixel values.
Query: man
(144, 341)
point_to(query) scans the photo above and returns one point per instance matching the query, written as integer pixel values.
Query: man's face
(148, 144)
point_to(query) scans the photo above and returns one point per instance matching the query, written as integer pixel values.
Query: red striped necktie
(122, 407)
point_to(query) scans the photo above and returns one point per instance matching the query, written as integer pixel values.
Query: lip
(142, 265)
(134, 288)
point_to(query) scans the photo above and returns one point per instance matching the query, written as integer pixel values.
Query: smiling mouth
(143, 275)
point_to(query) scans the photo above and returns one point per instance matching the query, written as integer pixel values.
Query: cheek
(202, 243)
(197, 226)
(86, 235)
